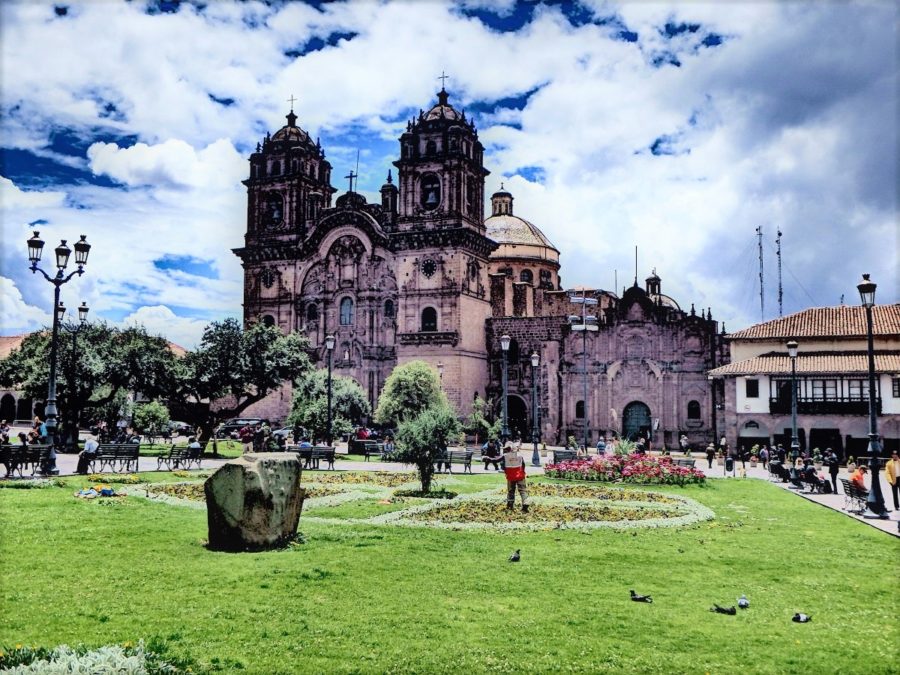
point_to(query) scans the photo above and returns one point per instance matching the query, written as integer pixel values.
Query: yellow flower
(18, 646)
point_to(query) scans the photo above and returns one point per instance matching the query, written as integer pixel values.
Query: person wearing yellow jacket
(892, 471)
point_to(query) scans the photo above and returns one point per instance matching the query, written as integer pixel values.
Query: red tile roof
(813, 363)
(10, 342)
(825, 322)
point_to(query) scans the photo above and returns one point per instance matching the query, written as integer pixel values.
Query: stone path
(67, 464)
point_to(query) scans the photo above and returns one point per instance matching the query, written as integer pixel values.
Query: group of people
(37, 435)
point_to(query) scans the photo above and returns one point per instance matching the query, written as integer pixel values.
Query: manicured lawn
(366, 598)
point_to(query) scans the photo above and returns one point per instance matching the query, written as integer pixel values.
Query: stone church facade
(424, 275)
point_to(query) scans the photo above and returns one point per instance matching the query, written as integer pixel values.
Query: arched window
(430, 148)
(579, 410)
(276, 168)
(506, 270)
(431, 192)
(527, 276)
(429, 320)
(346, 312)
(693, 410)
(388, 309)
(268, 320)
(312, 314)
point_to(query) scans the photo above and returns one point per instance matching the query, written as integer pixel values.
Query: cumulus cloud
(160, 320)
(17, 316)
(677, 127)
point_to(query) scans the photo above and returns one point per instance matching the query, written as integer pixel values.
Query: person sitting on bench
(490, 454)
(857, 478)
(86, 456)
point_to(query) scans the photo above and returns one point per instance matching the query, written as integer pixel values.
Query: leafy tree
(309, 407)
(108, 364)
(409, 390)
(424, 437)
(237, 367)
(151, 419)
(479, 423)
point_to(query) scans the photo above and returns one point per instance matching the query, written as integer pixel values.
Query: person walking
(710, 454)
(834, 465)
(514, 468)
(892, 472)
(764, 456)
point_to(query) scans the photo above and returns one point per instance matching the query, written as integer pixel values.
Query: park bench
(451, 457)
(853, 496)
(179, 457)
(115, 457)
(372, 449)
(564, 456)
(311, 457)
(685, 461)
(17, 458)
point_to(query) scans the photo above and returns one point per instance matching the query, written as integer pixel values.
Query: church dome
(443, 110)
(291, 133)
(510, 229)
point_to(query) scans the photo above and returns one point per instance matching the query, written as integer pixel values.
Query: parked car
(180, 427)
(231, 427)
(284, 431)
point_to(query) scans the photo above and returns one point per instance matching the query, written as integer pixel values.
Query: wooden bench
(180, 457)
(372, 449)
(451, 457)
(564, 456)
(115, 457)
(17, 458)
(684, 461)
(311, 457)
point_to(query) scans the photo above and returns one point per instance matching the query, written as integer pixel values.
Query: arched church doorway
(517, 416)
(635, 420)
(8, 408)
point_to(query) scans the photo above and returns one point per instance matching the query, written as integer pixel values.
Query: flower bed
(496, 513)
(378, 478)
(596, 492)
(641, 469)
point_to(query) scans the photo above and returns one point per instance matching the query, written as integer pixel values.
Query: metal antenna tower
(762, 287)
(778, 253)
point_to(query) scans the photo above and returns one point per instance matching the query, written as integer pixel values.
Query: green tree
(479, 422)
(309, 407)
(237, 367)
(108, 364)
(409, 390)
(151, 419)
(423, 438)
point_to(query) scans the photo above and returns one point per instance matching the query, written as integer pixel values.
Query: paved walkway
(67, 464)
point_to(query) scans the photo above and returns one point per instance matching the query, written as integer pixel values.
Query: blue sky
(675, 127)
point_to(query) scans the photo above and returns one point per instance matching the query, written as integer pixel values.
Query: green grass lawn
(366, 598)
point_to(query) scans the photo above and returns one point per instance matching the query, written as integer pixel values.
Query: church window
(470, 194)
(346, 312)
(546, 279)
(294, 166)
(312, 314)
(430, 148)
(313, 206)
(507, 271)
(693, 410)
(274, 210)
(276, 168)
(268, 320)
(579, 410)
(431, 192)
(527, 276)
(389, 309)
(429, 320)
(513, 354)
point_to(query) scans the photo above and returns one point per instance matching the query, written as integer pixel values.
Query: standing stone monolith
(253, 502)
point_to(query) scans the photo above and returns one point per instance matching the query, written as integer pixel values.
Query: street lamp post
(74, 329)
(875, 501)
(535, 455)
(440, 369)
(61, 253)
(329, 349)
(504, 347)
(795, 441)
(584, 323)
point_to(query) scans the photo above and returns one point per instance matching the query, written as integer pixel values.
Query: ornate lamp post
(795, 441)
(61, 253)
(535, 455)
(329, 349)
(875, 501)
(584, 323)
(504, 346)
(74, 329)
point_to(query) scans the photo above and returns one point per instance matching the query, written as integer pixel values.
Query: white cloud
(17, 316)
(160, 320)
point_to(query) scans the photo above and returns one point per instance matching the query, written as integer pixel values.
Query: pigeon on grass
(743, 602)
(800, 617)
(723, 610)
(515, 557)
(640, 598)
